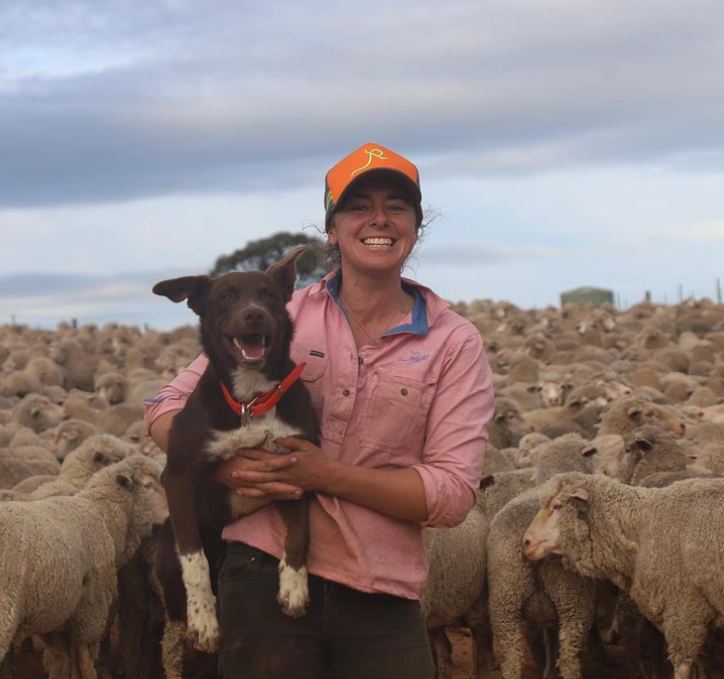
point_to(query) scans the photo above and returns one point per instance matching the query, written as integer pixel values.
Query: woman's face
(375, 227)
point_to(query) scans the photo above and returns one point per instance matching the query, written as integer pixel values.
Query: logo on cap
(373, 153)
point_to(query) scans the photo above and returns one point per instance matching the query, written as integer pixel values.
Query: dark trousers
(345, 634)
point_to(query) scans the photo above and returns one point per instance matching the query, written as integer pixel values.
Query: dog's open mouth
(249, 348)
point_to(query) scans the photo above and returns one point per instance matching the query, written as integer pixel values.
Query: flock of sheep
(591, 404)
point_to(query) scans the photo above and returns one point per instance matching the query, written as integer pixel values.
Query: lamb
(713, 413)
(79, 365)
(563, 454)
(523, 597)
(118, 418)
(91, 456)
(38, 413)
(506, 426)
(70, 434)
(61, 579)
(455, 587)
(17, 464)
(111, 386)
(648, 450)
(46, 370)
(627, 414)
(662, 546)
(19, 383)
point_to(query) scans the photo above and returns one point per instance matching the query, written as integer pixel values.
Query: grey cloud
(195, 98)
(470, 255)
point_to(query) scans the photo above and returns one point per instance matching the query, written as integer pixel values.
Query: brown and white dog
(246, 333)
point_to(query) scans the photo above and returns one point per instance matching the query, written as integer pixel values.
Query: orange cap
(367, 158)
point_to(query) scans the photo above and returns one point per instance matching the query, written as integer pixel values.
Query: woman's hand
(259, 474)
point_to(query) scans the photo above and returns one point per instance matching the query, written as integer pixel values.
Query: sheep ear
(633, 412)
(579, 494)
(190, 288)
(487, 481)
(284, 272)
(643, 444)
(125, 481)
(35, 411)
(590, 451)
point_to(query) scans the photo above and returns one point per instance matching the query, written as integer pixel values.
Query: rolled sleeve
(456, 437)
(174, 395)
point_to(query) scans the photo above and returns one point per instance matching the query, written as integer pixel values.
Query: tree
(258, 255)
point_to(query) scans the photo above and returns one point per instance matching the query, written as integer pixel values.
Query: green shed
(587, 295)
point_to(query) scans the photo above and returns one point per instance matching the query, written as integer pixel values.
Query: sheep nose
(526, 542)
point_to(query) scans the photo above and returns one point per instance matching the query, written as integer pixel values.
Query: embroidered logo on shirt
(318, 354)
(415, 357)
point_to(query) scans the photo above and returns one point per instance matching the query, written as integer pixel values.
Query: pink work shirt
(418, 397)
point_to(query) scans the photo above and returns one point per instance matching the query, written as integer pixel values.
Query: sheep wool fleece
(418, 397)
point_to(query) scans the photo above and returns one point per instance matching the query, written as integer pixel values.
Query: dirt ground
(462, 647)
(30, 664)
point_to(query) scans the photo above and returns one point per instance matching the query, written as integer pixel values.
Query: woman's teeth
(377, 242)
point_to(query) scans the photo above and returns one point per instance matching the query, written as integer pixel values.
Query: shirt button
(404, 392)
(345, 392)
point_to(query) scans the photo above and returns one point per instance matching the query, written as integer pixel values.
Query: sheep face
(549, 531)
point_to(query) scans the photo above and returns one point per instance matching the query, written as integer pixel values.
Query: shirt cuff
(448, 498)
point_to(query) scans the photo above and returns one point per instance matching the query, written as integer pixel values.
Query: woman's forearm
(160, 428)
(396, 492)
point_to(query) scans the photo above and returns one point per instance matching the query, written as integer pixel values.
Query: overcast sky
(562, 142)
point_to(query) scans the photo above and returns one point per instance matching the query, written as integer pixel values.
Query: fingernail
(234, 475)
(298, 493)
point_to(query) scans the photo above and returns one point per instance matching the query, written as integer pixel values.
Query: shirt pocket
(312, 375)
(395, 415)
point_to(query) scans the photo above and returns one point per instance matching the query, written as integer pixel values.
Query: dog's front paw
(293, 594)
(203, 629)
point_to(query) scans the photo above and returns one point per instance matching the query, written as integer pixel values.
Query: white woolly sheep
(70, 434)
(61, 576)
(626, 414)
(663, 546)
(94, 454)
(38, 413)
(648, 450)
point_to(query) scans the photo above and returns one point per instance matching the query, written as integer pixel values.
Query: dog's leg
(203, 623)
(293, 594)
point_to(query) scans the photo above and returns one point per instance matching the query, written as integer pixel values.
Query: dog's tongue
(253, 353)
(252, 349)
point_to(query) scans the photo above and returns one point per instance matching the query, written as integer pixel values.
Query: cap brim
(397, 175)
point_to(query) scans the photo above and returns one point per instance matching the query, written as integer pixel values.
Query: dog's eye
(227, 296)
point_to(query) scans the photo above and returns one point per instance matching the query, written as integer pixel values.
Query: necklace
(362, 325)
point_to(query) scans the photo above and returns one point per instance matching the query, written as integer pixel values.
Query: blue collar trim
(419, 325)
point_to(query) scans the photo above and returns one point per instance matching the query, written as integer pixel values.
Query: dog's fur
(236, 306)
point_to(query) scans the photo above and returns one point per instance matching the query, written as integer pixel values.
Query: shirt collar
(419, 325)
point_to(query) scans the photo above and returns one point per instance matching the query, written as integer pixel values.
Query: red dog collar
(263, 403)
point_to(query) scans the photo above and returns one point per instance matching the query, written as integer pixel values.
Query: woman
(402, 392)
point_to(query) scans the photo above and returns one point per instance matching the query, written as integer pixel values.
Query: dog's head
(243, 317)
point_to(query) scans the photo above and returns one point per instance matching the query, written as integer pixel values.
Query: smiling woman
(402, 392)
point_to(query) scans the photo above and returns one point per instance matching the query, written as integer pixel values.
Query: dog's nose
(254, 316)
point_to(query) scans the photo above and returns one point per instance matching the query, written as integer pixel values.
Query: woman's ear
(332, 234)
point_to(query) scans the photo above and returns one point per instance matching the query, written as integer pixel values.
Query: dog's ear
(191, 288)
(284, 272)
